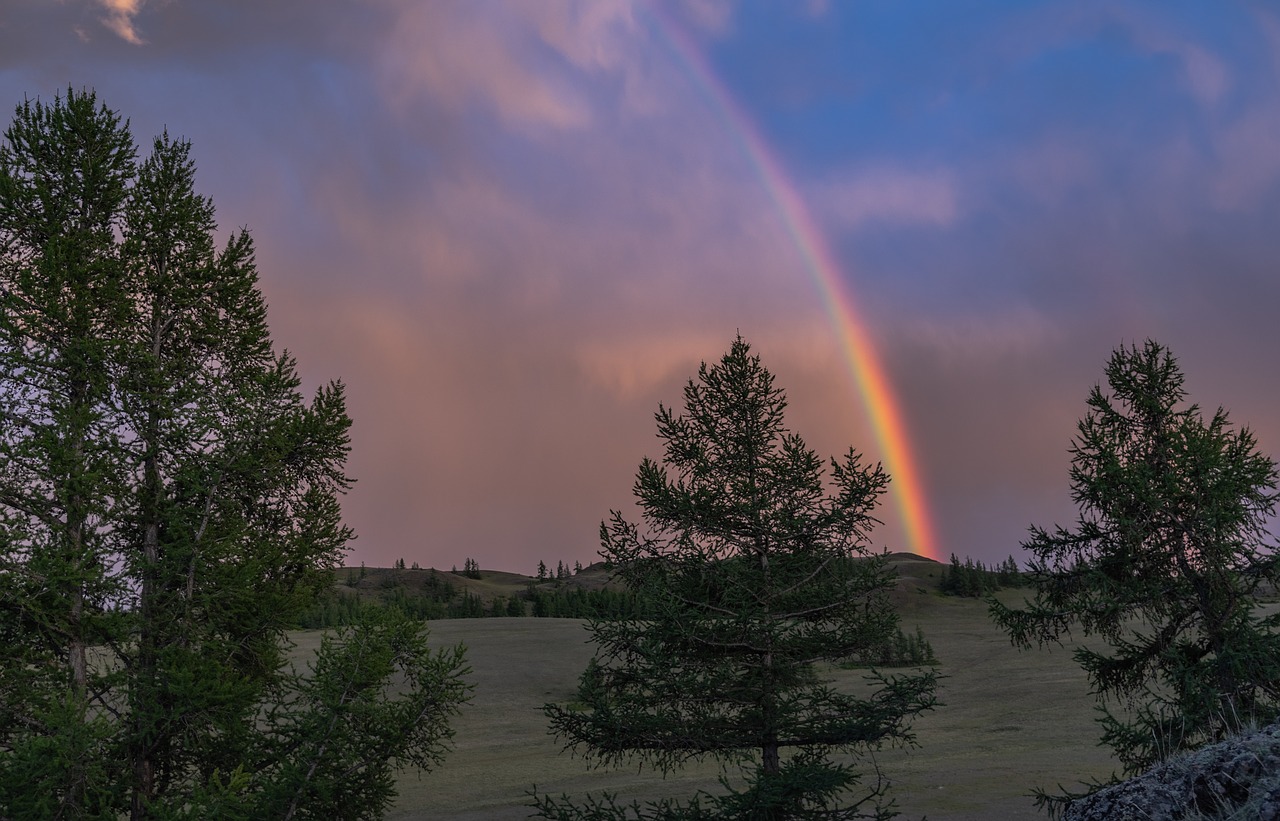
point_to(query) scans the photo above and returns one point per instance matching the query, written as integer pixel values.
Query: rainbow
(864, 366)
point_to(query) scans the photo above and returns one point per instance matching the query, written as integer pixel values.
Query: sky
(513, 228)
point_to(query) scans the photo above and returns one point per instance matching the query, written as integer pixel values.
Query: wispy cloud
(1204, 74)
(461, 54)
(1247, 147)
(119, 18)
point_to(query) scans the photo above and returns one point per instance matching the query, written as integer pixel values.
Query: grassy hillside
(1011, 721)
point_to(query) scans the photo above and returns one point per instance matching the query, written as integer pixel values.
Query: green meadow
(1011, 721)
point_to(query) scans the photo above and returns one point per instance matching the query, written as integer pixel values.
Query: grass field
(1012, 721)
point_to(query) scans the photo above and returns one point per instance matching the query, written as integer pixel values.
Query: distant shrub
(903, 650)
(585, 604)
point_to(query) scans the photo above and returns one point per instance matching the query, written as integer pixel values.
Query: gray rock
(1233, 780)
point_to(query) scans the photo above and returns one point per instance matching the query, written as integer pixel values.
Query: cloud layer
(513, 228)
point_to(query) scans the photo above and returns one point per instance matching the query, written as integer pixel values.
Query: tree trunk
(77, 646)
(146, 702)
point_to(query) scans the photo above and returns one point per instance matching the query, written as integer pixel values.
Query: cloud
(119, 19)
(1249, 155)
(1032, 33)
(890, 196)
(1054, 168)
(1205, 75)
(1013, 333)
(462, 53)
(513, 228)
(592, 34)
(1246, 146)
(817, 8)
(714, 17)
(631, 367)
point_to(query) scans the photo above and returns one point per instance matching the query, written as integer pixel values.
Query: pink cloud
(711, 16)
(119, 19)
(633, 365)
(458, 53)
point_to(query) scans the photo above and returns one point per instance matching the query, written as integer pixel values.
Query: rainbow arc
(859, 354)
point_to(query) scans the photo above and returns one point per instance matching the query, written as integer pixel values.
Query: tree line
(975, 580)
(444, 601)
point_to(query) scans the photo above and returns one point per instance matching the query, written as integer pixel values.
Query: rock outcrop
(1232, 780)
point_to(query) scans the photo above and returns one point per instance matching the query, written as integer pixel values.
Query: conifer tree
(752, 575)
(64, 176)
(166, 493)
(1162, 566)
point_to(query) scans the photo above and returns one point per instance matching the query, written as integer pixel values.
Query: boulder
(1236, 779)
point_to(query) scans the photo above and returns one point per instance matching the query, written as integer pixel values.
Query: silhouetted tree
(1007, 574)
(166, 493)
(1162, 565)
(752, 575)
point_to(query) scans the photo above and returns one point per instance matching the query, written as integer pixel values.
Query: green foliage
(974, 580)
(64, 175)
(466, 606)
(748, 586)
(431, 601)
(1162, 566)
(905, 650)
(167, 496)
(576, 603)
(349, 725)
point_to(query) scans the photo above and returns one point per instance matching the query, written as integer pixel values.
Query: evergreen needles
(168, 508)
(1162, 566)
(753, 577)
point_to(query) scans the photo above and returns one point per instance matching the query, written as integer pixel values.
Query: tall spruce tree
(753, 576)
(65, 170)
(1162, 566)
(168, 498)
